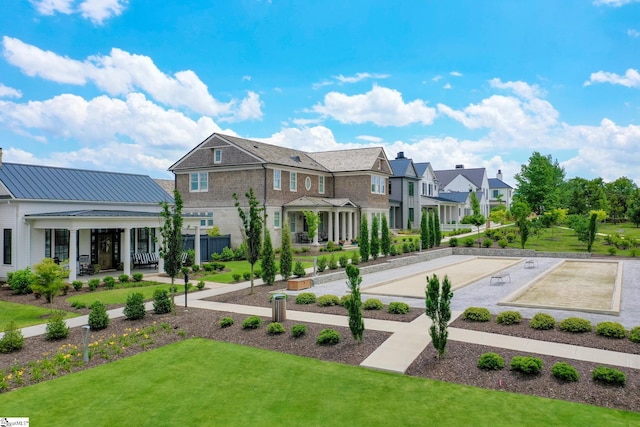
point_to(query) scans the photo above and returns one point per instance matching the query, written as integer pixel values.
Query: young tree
(171, 247)
(385, 240)
(252, 229)
(286, 254)
(593, 229)
(437, 229)
(425, 237)
(312, 223)
(438, 308)
(432, 228)
(375, 238)
(268, 260)
(521, 211)
(539, 182)
(47, 278)
(477, 218)
(363, 242)
(354, 304)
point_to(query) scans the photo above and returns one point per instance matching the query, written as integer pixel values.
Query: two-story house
(404, 197)
(500, 193)
(461, 180)
(339, 186)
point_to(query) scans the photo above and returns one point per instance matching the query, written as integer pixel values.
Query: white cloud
(121, 73)
(382, 106)
(447, 86)
(9, 92)
(369, 138)
(306, 122)
(631, 78)
(455, 74)
(246, 78)
(97, 11)
(323, 83)
(437, 78)
(613, 3)
(522, 89)
(359, 77)
(633, 33)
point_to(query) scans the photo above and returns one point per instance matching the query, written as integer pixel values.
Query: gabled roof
(498, 183)
(353, 160)
(311, 202)
(421, 168)
(474, 175)
(31, 182)
(455, 196)
(403, 168)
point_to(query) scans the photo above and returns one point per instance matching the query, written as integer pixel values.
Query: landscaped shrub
(195, 268)
(13, 340)
(328, 337)
(328, 300)
(161, 301)
(343, 260)
(503, 243)
(491, 362)
(634, 334)
(508, 318)
(200, 285)
(246, 275)
(393, 251)
(487, 243)
(137, 277)
(333, 264)
(77, 284)
(226, 322)
(298, 270)
(453, 242)
(373, 304)
(134, 309)
(542, 322)
(78, 305)
(344, 298)
(321, 264)
(275, 328)
(609, 376)
(98, 318)
(611, 330)
(92, 284)
(236, 277)
(252, 322)
(476, 314)
(564, 371)
(469, 242)
(109, 282)
(575, 324)
(355, 258)
(298, 331)
(526, 364)
(398, 307)
(306, 298)
(20, 281)
(612, 250)
(208, 266)
(123, 278)
(57, 329)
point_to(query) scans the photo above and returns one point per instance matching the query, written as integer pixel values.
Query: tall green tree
(520, 211)
(633, 207)
(363, 241)
(424, 230)
(252, 228)
(432, 228)
(286, 253)
(385, 239)
(593, 229)
(268, 260)
(375, 238)
(437, 229)
(539, 182)
(171, 246)
(354, 304)
(438, 308)
(313, 219)
(618, 194)
(477, 218)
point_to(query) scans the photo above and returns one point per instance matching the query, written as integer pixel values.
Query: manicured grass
(227, 384)
(25, 314)
(627, 229)
(239, 267)
(119, 296)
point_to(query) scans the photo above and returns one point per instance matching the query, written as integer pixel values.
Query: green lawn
(627, 229)
(119, 296)
(25, 314)
(202, 382)
(241, 267)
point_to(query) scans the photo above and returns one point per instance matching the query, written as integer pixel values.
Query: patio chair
(84, 262)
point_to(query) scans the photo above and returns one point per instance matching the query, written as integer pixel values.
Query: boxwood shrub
(565, 372)
(575, 324)
(609, 376)
(373, 304)
(398, 307)
(476, 314)
(344, 298)
(508, 318)
(306, 298)
(526, 364)
(298, 331)
(328, 337)
(328, 300)
(251, 322)
(634, 334)
(275, 328)
(542, 322)
(225, 322)
(491, 362)
(611, 330)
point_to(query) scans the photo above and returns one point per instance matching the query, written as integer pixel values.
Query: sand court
(460, 274)
(593, 286)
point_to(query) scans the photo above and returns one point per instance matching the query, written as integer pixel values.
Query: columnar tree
(252, 228)
(364, 239)
(375, 238)
(424, 230)
(385, 240)
(268, 260)
(286, 254)
(432, 229)
(354, 304)
(438, 308)
(171, 247)
(437, 229)
(593, 228)
(312, 223)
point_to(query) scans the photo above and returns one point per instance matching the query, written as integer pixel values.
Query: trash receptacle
(279, 309)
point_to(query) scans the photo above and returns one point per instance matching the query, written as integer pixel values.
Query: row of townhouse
(103, 216)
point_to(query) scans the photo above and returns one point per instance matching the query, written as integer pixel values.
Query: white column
(126, 251)
(349, 225)
(73, 254)
(330, 226)
(336, 227)
(196, 245)
(343, 225)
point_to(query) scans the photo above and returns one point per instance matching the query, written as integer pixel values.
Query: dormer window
(217, 156)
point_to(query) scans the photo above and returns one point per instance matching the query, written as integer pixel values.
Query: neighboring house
(461, 180)
(450, 206)
(404, 196)
(51, 212)
(500, 193)
(340, 186)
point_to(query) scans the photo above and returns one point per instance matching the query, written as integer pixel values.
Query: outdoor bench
(145, 259)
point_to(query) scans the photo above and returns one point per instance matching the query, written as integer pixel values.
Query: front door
(106, 242)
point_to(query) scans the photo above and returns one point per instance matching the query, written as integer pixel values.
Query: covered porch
(339, 219)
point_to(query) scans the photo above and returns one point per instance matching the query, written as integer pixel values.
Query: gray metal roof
(403, 168)
(498, 183)
(455, 196)
(421, 168)
(474, 175)
(32, 182)
(96, 213)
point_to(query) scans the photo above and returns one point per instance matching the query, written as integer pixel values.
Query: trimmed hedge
(328, 300)
(306, 298)
(542, 322)
(252, 322)
(611, 330)
(565, 372)
(508, 318)
(398, 307)
(609, 376)
(526, 364)
(373, 304)
(476, 314)
(634, 334)
(328, 337)
(575, 324)
(491, 362)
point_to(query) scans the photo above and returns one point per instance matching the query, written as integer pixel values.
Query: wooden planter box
(298, 284)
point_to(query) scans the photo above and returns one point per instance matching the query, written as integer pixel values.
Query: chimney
(0, 157)
(400, 155)
(459, 166)
(499, 174)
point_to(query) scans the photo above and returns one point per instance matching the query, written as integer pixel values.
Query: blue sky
(133, 85)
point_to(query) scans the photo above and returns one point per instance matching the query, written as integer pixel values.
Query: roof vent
(459, 166)
(296, 159)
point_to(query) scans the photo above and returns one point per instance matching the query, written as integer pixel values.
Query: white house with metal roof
(60, 213)
(461, 180)
(500, 193)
